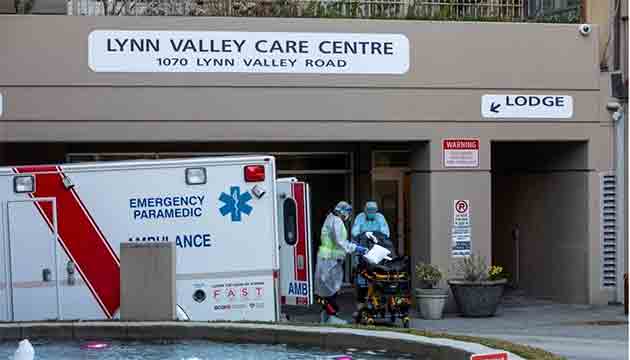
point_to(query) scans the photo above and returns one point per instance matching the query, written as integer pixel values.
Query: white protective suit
(332, 251)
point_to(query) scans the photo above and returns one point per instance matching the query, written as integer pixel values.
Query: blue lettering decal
(298, 289)
(197, 240)
(168, 207)
(193, 241)
(187, 241)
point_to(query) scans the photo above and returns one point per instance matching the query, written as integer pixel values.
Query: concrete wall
(551, 211)
(147, 282)
(420, 203)
(7, 6)
(438, 87)
(50, 95)
(598, 12)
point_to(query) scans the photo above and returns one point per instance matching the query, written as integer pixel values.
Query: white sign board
(247, 52)
(1, 104)
(460, 153)
(527, 106)
(461, 232)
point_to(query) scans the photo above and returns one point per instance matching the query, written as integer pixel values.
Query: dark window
(290, 221)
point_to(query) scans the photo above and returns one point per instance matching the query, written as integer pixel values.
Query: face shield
(344, 210)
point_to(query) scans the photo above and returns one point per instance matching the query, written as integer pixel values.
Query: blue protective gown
(362, 225)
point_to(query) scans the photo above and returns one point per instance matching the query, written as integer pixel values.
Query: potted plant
(480, 289)
(430, 299)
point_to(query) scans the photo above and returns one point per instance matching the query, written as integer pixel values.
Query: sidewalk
(579, 332)
(576, 331)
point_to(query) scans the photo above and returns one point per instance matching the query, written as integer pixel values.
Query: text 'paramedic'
(166, 207)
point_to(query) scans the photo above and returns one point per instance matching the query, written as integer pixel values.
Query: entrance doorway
(390, 187)
(540, 218)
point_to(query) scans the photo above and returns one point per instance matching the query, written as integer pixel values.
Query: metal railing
(500, 10)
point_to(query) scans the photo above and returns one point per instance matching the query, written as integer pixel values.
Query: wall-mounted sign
(1, 104)
(461, 231)
(527, 106)
(247, 52)
(460, 153)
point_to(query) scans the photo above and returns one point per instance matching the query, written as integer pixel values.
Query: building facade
(507, 122)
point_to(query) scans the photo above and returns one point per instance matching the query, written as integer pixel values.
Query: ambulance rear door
(296, 283)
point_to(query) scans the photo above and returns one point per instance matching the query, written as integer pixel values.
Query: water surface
(189, 350)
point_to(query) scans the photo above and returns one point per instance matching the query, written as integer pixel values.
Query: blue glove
(361, 250)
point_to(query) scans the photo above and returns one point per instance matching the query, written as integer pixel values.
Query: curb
(322, 337)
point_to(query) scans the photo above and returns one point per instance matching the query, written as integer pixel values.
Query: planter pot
(431, 303)
(477, 299)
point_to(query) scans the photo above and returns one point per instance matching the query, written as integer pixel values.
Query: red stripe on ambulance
(295, 254)
(79, 235)
(300, 246)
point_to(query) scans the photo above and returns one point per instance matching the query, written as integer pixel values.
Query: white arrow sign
(527, 106)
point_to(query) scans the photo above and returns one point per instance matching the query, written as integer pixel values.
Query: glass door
(388, 190)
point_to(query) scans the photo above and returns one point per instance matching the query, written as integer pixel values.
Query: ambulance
(242, 237)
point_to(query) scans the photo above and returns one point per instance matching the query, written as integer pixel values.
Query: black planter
(477, 299)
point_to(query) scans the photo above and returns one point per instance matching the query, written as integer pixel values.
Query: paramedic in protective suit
(366, 223)
(332, 251)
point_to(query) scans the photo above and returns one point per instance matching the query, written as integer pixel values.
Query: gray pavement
(579, 332)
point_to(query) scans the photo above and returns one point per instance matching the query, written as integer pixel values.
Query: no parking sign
(461, 237)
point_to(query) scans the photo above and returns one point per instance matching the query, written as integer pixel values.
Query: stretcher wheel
(364, 317)
(406, 322)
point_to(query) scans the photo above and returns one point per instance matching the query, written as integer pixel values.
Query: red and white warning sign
(461, 153)
(497, 356)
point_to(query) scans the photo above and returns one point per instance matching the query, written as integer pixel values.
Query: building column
(363, 176)
(434, 190)
(420, 204)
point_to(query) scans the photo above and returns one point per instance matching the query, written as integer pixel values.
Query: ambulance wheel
(369, 321)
